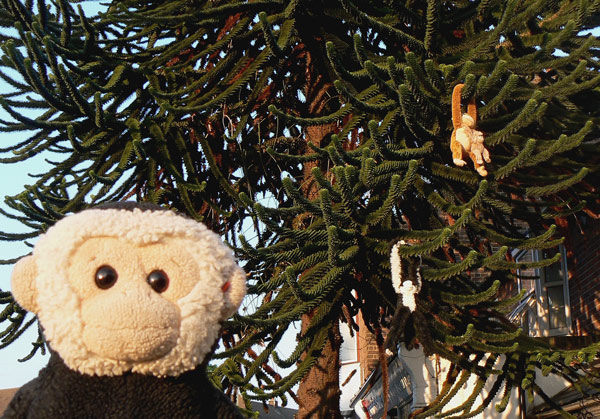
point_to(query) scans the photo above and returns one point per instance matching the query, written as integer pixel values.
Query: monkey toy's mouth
(130, 332)
(130, 344)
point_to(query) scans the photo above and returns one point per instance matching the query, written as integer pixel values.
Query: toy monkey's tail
(456, 110)
(456, 107)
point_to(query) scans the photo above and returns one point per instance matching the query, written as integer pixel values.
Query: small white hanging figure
(407, 289)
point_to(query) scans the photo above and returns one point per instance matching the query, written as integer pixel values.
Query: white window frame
(541, 310)
(349, 344)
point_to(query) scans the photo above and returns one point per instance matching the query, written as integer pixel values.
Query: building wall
(583, 259)
(6, 396)
(349, 383)
(368, 354)
(583, 264)
(428, 375)
(350, 375)
(366, 362)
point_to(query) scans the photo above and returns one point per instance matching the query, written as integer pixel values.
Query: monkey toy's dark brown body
(59, 393)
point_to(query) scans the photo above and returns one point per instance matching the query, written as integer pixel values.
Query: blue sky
(14, 373)
(14, 176)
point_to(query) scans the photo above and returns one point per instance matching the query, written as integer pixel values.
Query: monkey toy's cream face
(119, 290)
(118, 281)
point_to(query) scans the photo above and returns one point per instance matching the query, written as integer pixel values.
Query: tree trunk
(319, 391)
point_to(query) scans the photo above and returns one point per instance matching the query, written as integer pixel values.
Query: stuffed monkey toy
(131, 298)
(478, 150)
(465, 139)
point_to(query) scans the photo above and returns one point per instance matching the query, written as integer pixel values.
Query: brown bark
(319, 391)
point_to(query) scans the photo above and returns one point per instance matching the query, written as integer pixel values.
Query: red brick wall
(583, 259)
(368, 355)
(6, 396)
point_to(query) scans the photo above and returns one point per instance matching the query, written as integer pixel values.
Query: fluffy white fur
(406, 289)
(202, 310)
(396, 266)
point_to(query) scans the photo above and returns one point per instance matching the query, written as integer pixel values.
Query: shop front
(369, 401)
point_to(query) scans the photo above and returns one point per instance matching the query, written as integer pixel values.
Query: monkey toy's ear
(234, 290)
(23, 283)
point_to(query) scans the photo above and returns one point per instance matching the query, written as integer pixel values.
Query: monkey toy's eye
(106, 276)
(158, 280)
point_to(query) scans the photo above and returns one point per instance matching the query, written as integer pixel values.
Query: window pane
(554, 272)
(556, 307)
(348, 348)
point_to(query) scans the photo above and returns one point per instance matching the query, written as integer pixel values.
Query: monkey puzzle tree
(339, 113)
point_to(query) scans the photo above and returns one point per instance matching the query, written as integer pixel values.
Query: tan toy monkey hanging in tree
(465, 139)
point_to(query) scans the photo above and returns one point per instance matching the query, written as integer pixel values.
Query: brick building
(561, 306)
(583, 261)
